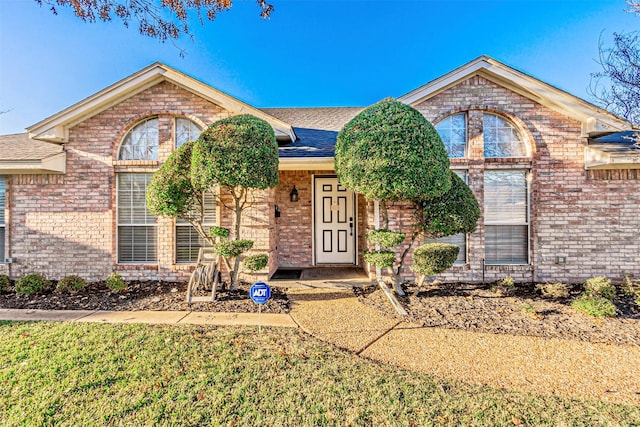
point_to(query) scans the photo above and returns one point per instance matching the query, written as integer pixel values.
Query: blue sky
(310, 53)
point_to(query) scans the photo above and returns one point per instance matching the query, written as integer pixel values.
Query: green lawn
(94, 374)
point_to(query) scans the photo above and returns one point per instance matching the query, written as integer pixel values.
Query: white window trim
(527, 177)
(118, 225)
(126, 135)
(515, 128)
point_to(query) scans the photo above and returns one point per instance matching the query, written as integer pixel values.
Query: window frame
(465, 115)
(3, 218)
(131, 130)
(175, 130)
(183, 223)
(527, 224)
(515, 130)
(154, 225)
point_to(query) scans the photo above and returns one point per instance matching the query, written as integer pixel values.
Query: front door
(335, 222)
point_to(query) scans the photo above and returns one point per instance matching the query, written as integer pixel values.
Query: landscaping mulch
(144, 295)
(476, 307)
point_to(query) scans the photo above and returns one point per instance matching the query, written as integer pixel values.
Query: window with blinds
(186, 130)
(136, 225)
(3, 227)
(188, 241)
(506, 217)
(141, 142)
(453, 133)
(457, 239)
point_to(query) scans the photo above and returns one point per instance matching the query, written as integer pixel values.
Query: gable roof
(21, 154)
(56, 127)
(595, 120)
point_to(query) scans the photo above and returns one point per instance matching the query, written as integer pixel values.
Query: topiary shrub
(71, 283)
(382, 259)
(594, 305)
(115, 283)
(255, 262)
(433, 258)
(32, 283)
(219, 232)
(385, 238)
(553, 290)
(232, 248)
(5, 283)
(601, 286)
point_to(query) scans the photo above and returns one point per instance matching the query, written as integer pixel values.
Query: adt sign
(260, 292)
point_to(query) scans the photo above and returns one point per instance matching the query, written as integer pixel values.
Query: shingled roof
(20, 147)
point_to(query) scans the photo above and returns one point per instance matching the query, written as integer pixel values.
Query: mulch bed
(144, 295)
(476, 307)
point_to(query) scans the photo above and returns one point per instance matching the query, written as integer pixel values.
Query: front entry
(334, 222)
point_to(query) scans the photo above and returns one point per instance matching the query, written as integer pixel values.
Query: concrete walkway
(530, 364)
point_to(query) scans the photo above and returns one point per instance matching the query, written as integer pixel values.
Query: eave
(55, 164)
(599, 159)
(306, 163)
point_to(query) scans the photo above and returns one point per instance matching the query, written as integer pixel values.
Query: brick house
(559, 191)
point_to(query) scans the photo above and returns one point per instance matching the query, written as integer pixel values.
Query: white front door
(335, 222)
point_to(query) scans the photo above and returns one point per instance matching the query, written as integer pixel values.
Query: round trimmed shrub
(31, 284)
(255, 262)
(600, 286)
(220, 232)
(594, 305)
(434, 258)
(5, 283)
(390, 152)
(115, 282)
(382, 259)
(71, 283)
(232, 248)
(385, 238)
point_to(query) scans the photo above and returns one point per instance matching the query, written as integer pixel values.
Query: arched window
(501, 138)
(453, 132)
(186, 130)
(141, 142)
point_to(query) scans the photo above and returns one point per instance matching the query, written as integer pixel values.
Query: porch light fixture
(293, 196)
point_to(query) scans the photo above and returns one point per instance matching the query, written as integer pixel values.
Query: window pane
(209, 211)
(132, 205)
(186, 130)
(2, 237)
(453, 132)
(137, 244)
(458, 239)
(188, 244)
(500, 138)
(3, 198)
(506, 244)
(505, 197)
(141, 142)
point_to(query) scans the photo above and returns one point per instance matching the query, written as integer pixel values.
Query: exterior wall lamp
(293, 196)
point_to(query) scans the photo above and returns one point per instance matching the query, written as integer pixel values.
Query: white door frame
(315, 209)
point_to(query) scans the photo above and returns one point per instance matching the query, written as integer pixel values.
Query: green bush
(5, 283)
(71, 283)
(232, 248)
(255, 262)
(32, 283)
(594, 305)
(506, 282)
(553, 290)
(385, 238)
(600, 286)
(220, 232)
(434, 258)
(115, 282)
(391, 152)
(380, 259)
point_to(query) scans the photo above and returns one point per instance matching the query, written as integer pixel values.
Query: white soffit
(50, 165)
(594, 119)
(305, 163)
(56, 127)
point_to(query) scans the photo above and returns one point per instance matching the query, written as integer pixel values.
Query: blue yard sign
(260, 292)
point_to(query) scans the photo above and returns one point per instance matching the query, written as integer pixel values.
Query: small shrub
(220, 232)
(255, 262)
(115, 282)
(5, 283)
(380, 259)
(32, 283)
(434, 258)
(553, 290)
(71, 283)
(385, 238)
(507, 282)
(504, 286)
(594, 305)
(600, 286)
(232, 248)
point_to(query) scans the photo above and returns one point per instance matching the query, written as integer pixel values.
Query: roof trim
(306, 163)
(595, 120)
(595, 158)
(56, 128)
(55, 164)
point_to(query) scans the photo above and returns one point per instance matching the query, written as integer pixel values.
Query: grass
(594, 305)
(95, 374)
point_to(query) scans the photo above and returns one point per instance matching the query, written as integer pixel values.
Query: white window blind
(141, 142)
(501, 138)
(3, 206)
(186, 130)
(136, 225)
(188, 241)
(506, 217)
(453, 132)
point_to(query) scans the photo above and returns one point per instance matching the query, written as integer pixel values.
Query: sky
(309, 53)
